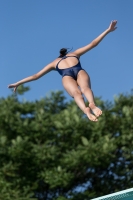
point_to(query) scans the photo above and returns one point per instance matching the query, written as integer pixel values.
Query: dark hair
(64, 51)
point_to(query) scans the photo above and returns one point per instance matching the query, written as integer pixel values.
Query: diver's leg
(83, 81)
(71, 87)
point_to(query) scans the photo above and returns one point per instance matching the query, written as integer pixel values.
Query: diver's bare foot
(97, 112)
(90, 115)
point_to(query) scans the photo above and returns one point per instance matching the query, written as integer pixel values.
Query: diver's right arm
(41, 73)
(96, 41)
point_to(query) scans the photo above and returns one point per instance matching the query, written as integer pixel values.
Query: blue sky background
(33, 31)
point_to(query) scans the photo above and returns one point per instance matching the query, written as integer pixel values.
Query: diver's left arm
(41, 73)
(97, 40)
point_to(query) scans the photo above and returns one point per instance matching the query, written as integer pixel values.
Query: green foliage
(21, 89)
(50, 150)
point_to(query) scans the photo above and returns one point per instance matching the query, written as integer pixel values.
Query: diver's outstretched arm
(41, 73)
(96, 41)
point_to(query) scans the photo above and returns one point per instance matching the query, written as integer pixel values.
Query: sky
(33, 31)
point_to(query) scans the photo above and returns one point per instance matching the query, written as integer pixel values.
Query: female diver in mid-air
(75, 79)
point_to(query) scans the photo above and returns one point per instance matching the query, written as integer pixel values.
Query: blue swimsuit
(71, 71)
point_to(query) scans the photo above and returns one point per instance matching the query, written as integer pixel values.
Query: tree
(49, 150)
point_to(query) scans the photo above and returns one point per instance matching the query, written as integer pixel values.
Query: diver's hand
(112, 26)
(15, 85)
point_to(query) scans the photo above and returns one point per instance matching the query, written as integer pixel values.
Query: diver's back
(67, 61)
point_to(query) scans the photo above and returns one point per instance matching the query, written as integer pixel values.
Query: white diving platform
(123, 195)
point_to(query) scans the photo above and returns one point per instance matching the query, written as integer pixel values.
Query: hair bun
(63, 51)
